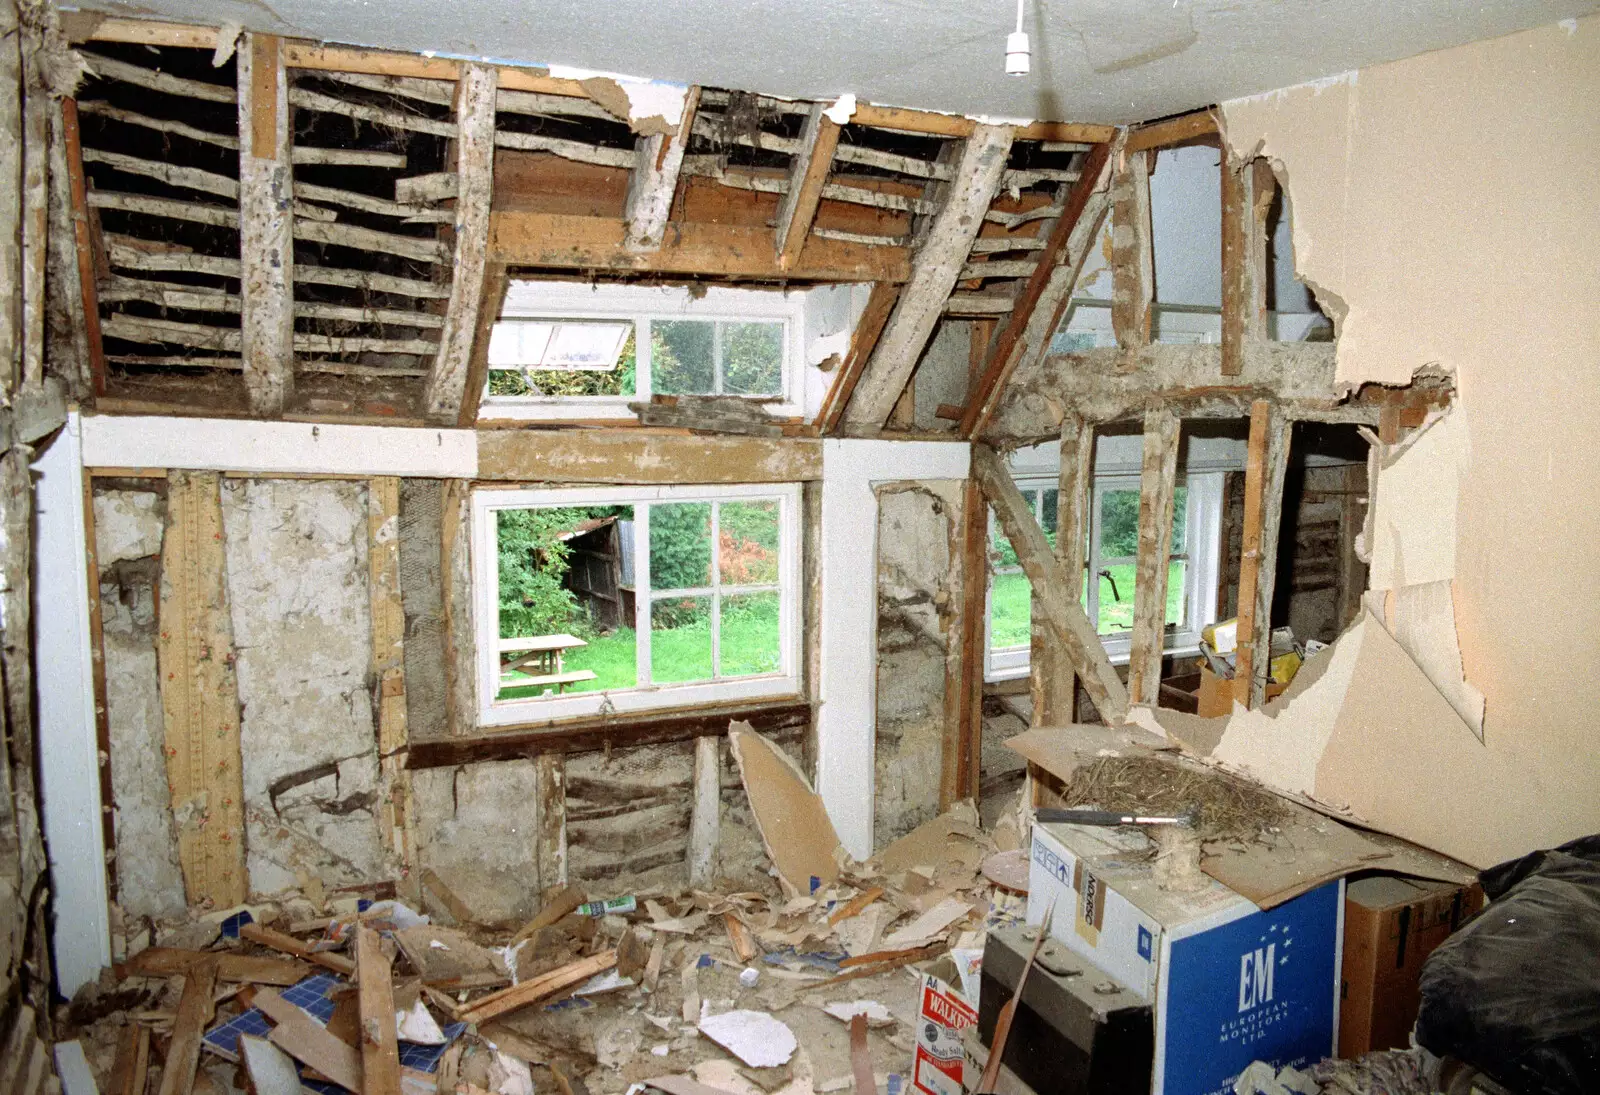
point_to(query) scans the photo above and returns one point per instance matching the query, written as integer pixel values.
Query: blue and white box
(1230, 982)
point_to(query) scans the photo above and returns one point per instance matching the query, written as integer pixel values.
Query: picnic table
(539, 659)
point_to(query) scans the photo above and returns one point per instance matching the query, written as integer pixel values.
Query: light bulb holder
(1017, 53)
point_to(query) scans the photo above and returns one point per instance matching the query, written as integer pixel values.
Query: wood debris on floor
(802, 988)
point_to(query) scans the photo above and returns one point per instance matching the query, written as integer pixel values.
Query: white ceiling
(1093, 60)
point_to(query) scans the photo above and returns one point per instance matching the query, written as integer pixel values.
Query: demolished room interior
(523, 578)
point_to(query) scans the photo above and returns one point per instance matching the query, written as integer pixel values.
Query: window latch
(1115, 596)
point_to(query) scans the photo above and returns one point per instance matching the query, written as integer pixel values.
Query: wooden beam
(1067, 132)
(935, 269)
(475, 172)
(266, 226)
(869, 328)
(147, 32)
(634, 456)
(653, 182)
(1052, 686)
(83, 234)
(1266, 463)
(375, 62)
(913, 121)
(200, 694)
(807, 175)
(496, 281)
(1247, 193)
(1132, 259)
(962, 770)
(550, 841)
(388, 669)
(1198, 126)
(519, 238)
(1157, 482)
(1052, 589)
(1047, 291)
(309, 1042)
(705, 819)
(380, 1049)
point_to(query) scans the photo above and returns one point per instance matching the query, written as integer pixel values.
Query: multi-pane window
(562, 351)
(634, 598)
(1111, 548)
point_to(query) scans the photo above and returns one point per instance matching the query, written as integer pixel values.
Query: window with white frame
(562, 351)
(1111, 556)
(632, 598)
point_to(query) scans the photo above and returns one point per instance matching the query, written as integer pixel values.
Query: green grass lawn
(1009, 607)
(750, 645)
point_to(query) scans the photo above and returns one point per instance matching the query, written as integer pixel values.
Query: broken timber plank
(809, 172)
(200, 694)
(935, 270)
(195, 1009)
(654, 181)
(1247, 192)
(173, 961)
(1132, 257)
(535, 989)
(1054, 694)
(1051, 588)
(309, 1042)
(1044, 299)
(380, 1050)
(266, 226)
(288, 944)
(1157, 480)
(132, 1064)
(475, 172)
(705, 819)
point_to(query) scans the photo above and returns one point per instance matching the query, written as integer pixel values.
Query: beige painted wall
(1447, 207)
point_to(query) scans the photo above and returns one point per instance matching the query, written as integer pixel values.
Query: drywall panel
(69, 770)
(1444, 210)
(210, 444)
(849, 551)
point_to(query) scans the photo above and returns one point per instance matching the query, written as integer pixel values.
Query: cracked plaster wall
(128, 529)
(917, 609)
(299, 598)
(1445, 215)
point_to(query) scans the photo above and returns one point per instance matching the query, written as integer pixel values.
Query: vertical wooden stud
(266, 225)
(654, 181)
(705, 819)
(1054, 682)
(807, 175)
(551, 847)
(1266, 464)
(1157, 482)
(1132, 258)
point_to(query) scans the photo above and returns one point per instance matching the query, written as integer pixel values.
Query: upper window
(1111, 556)
(629, 598)
(562, 351)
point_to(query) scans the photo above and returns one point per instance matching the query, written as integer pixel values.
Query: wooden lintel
(935, 270)
(1052, 589)
(807, 176)
(1132, 255)
(869, 328)
(266, 226)
(1201, 125)
(736, 251)
(1011, 344)
(475, 110)
(589, 735)
(1157, 482)
(653, 182)
(634, 456)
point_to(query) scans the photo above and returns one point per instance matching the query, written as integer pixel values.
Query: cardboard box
(1216, 694)
(1391, 925)
(1230, 983)
(947, 1006)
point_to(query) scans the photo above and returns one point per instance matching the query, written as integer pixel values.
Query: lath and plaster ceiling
(1093, 60)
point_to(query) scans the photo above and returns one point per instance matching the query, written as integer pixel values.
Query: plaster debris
(842, 110)
(127, 525)
(754, 1037)
(876, 1013)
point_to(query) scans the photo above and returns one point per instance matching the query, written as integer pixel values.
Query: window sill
(590, 734)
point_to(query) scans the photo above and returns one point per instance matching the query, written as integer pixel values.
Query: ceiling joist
(808, 174)
(654, 182)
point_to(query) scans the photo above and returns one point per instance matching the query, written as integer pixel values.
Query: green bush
(533, 568)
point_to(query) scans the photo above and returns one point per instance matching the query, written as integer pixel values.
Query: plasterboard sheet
(1422, 619)
(1414, 503)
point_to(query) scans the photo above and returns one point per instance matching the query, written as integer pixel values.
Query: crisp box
(1230, 983)
(947, 1006)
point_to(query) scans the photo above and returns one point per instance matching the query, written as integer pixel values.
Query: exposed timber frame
(654, 182)
(869, 328)
(1052, 589)
(1157, 482)
(266, 226)
(1048, 291)
(1266, 466)
(1248, 188)
(1198, 127)
(1053, 687)
(935, 270)
(475, 106)
(1132, 256)
(807, 177)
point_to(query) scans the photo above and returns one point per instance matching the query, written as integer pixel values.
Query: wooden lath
(1047, 291)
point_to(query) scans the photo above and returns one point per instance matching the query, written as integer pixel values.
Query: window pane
(1049, 515)
(1116, 598)
(680, 545)
(517, 342)
(1177, 571)
(586, 345)
(680, 639)
(1010, 608)
(569, 382)
(1119, 523)
(750, 635)
(563, 601)
(752, 358)
(747, 548)
(1180, 518)
(680, 357)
